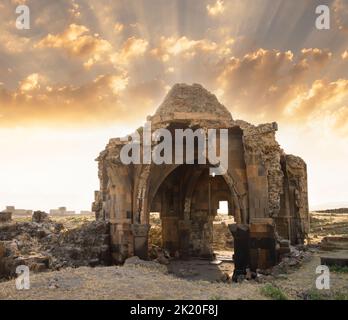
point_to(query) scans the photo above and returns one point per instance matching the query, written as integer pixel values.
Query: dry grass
(135, 282)
(131, 282)
(327, 224)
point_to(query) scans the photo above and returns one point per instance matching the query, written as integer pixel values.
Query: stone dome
(188, 102)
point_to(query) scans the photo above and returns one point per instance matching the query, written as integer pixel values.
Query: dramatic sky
(88, 70)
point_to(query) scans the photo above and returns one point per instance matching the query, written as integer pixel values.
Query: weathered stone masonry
(262, 183)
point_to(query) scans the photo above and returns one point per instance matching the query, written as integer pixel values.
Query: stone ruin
(39, 217)
(266, 188)
(5, 216)
(42, 244)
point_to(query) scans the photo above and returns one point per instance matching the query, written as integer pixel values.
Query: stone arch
(145, 197)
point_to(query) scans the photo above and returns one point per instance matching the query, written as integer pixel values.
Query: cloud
(340, 9)
(216, 9)
(184, 47)
(131, 48)
(261, 81)
(320, 56)
(29, 83)
(37, 102)
(322, 98)
(118, 27)
(108, 99)
(13, 43)
(267, 85)
(77, 41)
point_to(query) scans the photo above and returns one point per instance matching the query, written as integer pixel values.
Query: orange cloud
(169, 47)
(216, 9)
(340, 9)
(13, 43)
(37, 102)
(109, 98)
(322, 97)
(29, 83)
(118, 27)
(269, 84)
(76, 42)
(132, 48)
(318, 55)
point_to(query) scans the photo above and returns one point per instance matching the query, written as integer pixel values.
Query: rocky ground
(193, 279)
(328, 224)
(142, 281)
(52, 244)
(125, 282)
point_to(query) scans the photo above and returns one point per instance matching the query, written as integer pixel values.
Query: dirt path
(131, 282)
(138, 282)
(299, 283)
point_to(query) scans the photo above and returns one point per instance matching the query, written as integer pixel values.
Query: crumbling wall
(256, 178)
(296, 179)
(260, 141)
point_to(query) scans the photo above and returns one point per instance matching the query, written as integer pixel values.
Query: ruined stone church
(262, 184)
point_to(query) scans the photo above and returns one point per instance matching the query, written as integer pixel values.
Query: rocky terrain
(63, 253)
(151, 280)
(45, 244)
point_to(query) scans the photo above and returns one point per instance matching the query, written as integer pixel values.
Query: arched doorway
(188, 198)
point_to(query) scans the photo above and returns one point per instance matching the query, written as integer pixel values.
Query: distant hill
(329, 206)
(339, 210)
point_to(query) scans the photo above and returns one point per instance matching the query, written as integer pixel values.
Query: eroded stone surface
(48, 245)
(261, 182)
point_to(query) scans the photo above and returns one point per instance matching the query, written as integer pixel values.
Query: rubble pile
(289, 261)
(222, 237)
(84, 246)
(48, 245)
(39, 216)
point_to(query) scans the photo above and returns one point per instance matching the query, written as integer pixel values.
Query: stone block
(39, 217)
(5, 216)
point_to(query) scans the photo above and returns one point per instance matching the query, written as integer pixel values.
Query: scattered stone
(330, 243)
(48, 245)
(39, 217)
(162, 259)
(136, 261)
(53, 284)
(338, 258)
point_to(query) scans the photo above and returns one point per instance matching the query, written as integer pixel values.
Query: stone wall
(260, 144)
(262, 182)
